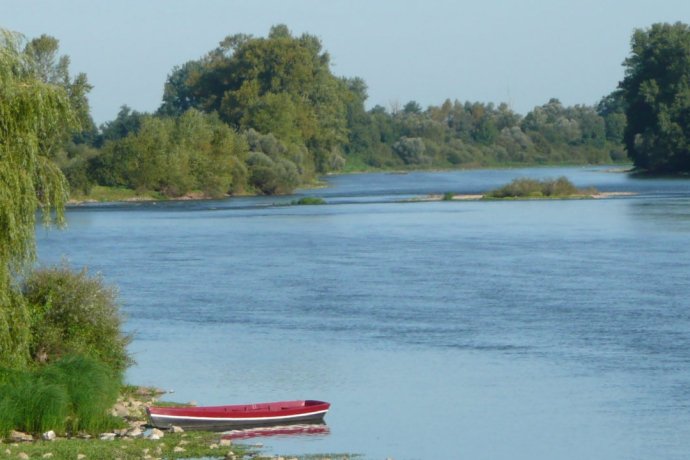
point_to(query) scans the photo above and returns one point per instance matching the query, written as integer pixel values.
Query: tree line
(264, 115)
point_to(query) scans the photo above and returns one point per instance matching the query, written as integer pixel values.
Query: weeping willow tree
(33, 117)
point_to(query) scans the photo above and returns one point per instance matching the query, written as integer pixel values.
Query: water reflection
(312, 429)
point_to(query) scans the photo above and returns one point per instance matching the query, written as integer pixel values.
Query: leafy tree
(612, 109)
(412, 107)
(33, 115)
(411, 150)
(656, 90)
(50, 67)
(280, 84)
(127, 121)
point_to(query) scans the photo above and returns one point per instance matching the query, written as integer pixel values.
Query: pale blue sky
(522, 52)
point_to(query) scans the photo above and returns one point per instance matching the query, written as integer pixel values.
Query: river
(463, 329)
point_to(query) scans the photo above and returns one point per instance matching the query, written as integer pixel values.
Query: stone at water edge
(107, 436)
(225, 442)
(49, 436)
(134, 433)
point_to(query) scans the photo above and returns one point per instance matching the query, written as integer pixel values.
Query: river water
(483, 330)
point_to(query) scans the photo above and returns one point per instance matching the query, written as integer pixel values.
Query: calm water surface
(484, 330)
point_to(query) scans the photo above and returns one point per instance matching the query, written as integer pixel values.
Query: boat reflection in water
(311, 429)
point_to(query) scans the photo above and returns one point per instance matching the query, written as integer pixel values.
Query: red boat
(221, 418)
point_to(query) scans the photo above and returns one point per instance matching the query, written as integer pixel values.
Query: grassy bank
(102, 194)
(172, 445)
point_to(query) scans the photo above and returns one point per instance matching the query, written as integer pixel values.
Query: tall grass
(72, 394)
(91, 386)
(32, 405)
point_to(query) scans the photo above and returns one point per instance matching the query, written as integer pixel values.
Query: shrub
(309, 200)
(525, 188)
(74, 313)
(518, 188)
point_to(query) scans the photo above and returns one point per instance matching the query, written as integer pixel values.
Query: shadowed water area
(464, 329)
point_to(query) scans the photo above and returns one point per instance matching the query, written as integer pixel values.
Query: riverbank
(134, 440)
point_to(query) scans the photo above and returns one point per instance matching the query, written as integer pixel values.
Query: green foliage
(28, 403)
(91, 386)
(271, 177)
(175, 156)
(127, 122)
(280, 85)
(34, 115)
(656, 90)
(532, 188)
(74, 313)
(73, 394)
(475, 134)
(309, 200)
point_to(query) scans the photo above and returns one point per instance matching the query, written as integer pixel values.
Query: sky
(522, 52)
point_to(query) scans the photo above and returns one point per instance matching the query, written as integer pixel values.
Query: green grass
(32, 405)
(195, 444)
(73, 394)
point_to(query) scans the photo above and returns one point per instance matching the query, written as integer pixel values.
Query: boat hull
(223, 418)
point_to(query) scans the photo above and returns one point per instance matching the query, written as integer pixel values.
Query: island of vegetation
(253, 116)
(560, 188)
